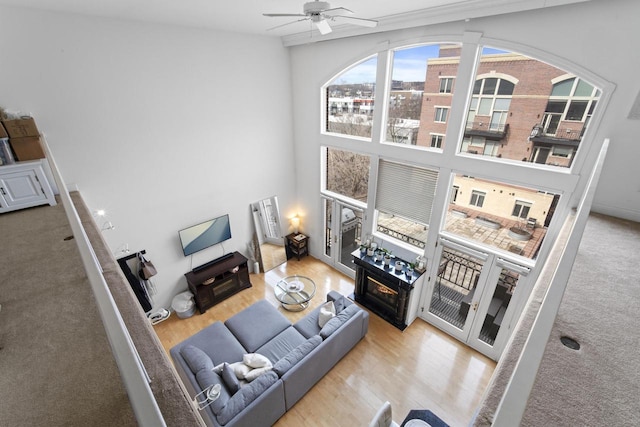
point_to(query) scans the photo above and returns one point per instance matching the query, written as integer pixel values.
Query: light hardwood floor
(420, 368)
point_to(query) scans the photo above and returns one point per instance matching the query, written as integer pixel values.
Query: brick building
(521, 109)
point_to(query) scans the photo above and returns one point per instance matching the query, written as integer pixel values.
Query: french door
(476, 296)
(343, 233)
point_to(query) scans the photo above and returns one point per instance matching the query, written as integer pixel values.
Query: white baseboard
(629, 214)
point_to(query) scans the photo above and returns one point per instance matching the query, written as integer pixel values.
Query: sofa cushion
(308, 326)
(335, 323)
(296, 355)
(230, 378)
(327, 312)
(207, 378)
(217, 342)
(245, 396)
(282, 344)
(196, 358)
(256, 325)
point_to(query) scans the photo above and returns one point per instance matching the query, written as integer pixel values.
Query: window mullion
(465, 80)
(380, 111)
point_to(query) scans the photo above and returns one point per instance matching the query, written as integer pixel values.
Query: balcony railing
(486, 129)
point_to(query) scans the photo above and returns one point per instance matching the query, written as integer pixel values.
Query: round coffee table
(295, 292)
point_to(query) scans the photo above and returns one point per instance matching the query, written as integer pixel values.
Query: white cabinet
(24, 184)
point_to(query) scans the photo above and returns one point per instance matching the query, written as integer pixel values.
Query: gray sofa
(300, 354)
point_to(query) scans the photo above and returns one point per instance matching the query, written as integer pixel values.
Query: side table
(296, 244)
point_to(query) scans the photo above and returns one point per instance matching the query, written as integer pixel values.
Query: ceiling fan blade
(330, 12)
(275, 15)
(323, 26)
(288, 23)
(357, 21)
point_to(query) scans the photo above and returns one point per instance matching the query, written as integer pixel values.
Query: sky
(409, 65)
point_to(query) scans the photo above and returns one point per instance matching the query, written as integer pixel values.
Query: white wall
(163, 127)
(596, 36)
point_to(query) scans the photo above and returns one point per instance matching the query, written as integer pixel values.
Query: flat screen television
(205, 234)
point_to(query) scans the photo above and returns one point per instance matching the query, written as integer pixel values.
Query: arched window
(350, 100)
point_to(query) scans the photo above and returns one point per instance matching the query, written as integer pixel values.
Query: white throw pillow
(327, 312)
(255, 373)
(240, 369)
(255, 360)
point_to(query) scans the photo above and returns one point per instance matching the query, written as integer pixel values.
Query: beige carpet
(56, 364)
(599, 384)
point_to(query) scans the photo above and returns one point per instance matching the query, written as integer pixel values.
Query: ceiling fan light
(323, 26)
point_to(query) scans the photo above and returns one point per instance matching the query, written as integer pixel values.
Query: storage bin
(183, 305)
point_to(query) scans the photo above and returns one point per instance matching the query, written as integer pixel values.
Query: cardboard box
(3, 132)
(19, 128)
(27, 148)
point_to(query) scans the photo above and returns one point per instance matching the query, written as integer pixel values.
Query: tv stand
(217, 280)
(210, 263)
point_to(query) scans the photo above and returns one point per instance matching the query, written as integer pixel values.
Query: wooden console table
(218, 280)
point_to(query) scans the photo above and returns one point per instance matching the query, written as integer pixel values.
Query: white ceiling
(245, 16)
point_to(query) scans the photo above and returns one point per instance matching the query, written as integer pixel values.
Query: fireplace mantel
(382, 289)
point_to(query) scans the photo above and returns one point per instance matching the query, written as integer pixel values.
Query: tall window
(412, 84)
(404, 201)
(350, 100)
(347, 174)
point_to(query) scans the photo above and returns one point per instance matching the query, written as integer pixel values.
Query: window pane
(421, 73)
(583, 89)
(502, 104)
(490, 86)
(397, 184)
(502, 218)
(485, 107)
(507, 112)
(576, 110)
(350, 100)
(476, 87)
(506, 88)
(347, 173)
(563, 88)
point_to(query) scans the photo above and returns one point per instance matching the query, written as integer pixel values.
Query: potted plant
(399, 265)
(387, 257)
(410, 268)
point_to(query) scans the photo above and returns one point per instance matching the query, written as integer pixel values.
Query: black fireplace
(383, 289)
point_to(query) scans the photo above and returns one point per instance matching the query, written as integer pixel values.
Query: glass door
(343, 235)
(474, 298)
(499, 308)
(454, 297)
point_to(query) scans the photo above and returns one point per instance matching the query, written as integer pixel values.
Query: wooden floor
(420, 368)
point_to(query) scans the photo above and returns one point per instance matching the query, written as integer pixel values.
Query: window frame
(479, 197)
(439, 111)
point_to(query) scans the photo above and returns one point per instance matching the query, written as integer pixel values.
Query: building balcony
(487, 130)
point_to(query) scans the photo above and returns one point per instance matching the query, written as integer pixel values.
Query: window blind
(406, 191)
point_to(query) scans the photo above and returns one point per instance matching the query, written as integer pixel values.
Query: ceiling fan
(320, 13)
